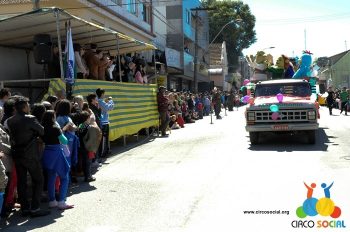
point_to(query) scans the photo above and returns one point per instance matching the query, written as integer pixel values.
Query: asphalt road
(203, 178)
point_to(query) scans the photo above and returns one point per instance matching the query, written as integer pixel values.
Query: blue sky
(281, 24)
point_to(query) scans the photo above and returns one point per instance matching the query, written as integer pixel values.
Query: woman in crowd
(178, 113)
(38, 111)
(3, 181)
(9, 170)
(89, 144)
(54, 160)
(9, 110)
(53, 100)
(138, 74)
(65, 122)
(82, 70)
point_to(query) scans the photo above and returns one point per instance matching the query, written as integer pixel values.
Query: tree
(238, 36)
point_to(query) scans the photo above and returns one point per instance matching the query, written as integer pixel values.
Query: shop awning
(18, 31)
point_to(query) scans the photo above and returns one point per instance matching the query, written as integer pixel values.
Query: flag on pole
(69, 77)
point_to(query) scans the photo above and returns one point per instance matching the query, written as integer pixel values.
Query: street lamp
(195, 73)
(238, 20)
(268, 48)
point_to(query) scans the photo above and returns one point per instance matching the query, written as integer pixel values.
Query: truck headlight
(312, 115)
(251, 116)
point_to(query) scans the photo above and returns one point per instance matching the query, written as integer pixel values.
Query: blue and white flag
(69, 77)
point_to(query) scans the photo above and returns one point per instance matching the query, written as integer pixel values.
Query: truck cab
(296, 113)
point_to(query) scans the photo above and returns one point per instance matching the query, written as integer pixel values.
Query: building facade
(219, 67)
(183, 21)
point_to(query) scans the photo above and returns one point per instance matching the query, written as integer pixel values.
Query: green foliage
(238, 36)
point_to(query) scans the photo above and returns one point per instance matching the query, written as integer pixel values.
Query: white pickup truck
(297, 112)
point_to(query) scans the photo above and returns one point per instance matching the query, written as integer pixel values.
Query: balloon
(280, 97)
(312, 81)
(313, 97)
(246, 99)
(242, 88)
(275, 116)
(274, 108)
(242, 99)
(245, 82)
(251, 101)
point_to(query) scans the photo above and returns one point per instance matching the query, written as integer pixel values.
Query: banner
(135, 105)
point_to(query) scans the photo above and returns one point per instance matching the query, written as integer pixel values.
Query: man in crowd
(106, 105)
(24, 132)
(5, 94)
(217, 103)
(344, 97)
(163, 110)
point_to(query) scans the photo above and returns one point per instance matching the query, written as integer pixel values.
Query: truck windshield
(294, 89)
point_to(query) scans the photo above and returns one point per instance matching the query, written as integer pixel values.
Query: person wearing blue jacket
(106, 105)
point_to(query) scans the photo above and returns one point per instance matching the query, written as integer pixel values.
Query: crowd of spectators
(179, 108)
(58, 141)
(55, 142)
(92, 63)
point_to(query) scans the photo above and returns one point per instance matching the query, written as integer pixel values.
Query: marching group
(54, 142)
(339, 99)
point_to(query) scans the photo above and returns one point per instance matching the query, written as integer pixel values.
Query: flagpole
(57, 14)
(119, 62)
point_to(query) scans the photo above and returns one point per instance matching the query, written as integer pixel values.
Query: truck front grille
(284, 116)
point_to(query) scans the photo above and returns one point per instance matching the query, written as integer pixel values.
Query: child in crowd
(200, 109)
(173, 123)
(54, 160)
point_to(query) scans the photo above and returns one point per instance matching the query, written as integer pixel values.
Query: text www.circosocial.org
(268, 212)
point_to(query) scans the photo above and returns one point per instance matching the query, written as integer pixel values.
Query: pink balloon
(275, 116)
(246, 99)
(280, 97)
(245, 82)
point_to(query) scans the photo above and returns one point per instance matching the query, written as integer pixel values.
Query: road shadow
(132, 141)
(290, 143)
(16, 223)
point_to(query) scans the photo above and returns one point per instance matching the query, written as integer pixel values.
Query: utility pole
(346, 46)
(195, 72)
(36, 4)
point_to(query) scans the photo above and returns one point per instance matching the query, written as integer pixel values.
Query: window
(188, 17)
(132, 6)
(146, 13)
(296, 89)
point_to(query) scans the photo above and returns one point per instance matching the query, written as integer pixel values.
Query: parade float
(285, 103)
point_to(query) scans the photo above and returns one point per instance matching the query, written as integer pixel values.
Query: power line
(319, 18)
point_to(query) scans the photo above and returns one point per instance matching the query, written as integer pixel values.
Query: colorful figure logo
(323, 206)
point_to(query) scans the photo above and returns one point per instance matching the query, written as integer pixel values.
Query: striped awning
(18, 31)
(135, 104)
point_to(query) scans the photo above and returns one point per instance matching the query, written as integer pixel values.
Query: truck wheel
(254, 137)
(311, 136)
